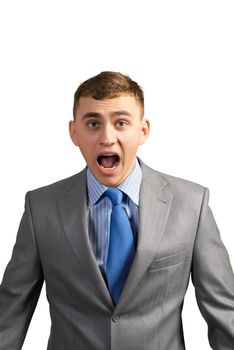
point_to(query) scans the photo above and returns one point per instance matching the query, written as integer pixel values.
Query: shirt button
(115, 318)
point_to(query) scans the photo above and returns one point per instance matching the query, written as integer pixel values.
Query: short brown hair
(108, 85)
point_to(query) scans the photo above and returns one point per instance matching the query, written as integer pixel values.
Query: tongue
(108, 161)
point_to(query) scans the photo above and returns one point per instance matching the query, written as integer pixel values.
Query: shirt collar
(130, 186)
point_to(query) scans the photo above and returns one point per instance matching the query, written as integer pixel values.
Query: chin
(110, 182)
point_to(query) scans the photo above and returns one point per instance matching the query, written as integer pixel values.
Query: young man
(117, 242)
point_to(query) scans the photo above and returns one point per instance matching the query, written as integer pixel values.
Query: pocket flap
(167, 261)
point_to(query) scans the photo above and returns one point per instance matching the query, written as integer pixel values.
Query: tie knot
(115, 195)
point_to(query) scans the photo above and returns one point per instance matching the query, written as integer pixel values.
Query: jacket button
(115, 318)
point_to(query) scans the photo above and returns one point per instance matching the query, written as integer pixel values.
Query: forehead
(123, 102)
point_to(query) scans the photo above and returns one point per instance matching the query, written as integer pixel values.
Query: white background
(181, 52)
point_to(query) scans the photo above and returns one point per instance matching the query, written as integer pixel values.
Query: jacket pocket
(167, 261)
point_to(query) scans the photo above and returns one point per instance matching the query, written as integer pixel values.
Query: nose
(107, 136)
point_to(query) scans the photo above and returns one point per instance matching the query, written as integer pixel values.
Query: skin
(110, 126)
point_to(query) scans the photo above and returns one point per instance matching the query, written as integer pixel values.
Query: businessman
(116, 243)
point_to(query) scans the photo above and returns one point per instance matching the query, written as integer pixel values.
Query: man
(117, 242)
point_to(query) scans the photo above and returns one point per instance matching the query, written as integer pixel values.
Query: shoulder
(181, 188)
(54, 191)
(178, 183)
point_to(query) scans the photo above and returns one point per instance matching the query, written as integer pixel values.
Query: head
(108, 125)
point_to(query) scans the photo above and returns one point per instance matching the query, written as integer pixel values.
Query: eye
(121, 123)
(93, 124)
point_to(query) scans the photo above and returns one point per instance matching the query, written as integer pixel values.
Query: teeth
(108, 154)
(108, 168)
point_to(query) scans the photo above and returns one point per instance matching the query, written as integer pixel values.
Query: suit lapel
(155, 203)
(74, 215)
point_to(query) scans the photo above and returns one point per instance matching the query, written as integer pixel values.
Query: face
(108, 133)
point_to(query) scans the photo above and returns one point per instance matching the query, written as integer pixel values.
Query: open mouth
(108, 161)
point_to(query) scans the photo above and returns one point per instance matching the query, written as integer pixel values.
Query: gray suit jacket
(177, 237)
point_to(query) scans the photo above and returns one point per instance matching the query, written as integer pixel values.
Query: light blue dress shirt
(100, 208)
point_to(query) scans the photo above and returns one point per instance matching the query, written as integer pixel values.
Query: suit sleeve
(21, 285)
(213, 279)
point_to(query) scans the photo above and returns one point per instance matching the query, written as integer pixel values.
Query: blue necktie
(121, 245)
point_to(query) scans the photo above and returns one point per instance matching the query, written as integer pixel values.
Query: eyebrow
(113, 114)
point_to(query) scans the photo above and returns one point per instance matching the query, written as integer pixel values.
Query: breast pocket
(167, 261)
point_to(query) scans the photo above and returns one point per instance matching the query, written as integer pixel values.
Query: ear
(145, 128)
(73, 132)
